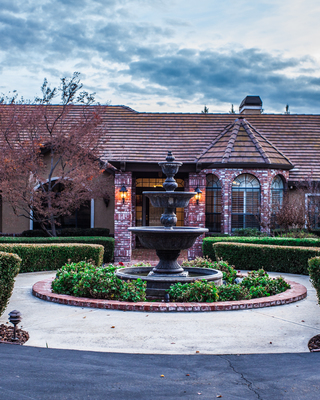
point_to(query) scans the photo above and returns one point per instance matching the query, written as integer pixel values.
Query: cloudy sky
(167, 55)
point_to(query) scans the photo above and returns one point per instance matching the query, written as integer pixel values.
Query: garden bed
(43, 291)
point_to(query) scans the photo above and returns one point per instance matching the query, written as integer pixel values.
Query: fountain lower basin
(158, 285)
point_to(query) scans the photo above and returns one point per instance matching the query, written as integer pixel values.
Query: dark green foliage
(314, 271)
(198, 291)
(48, 257)
(198, 262)
(67, 232)
(290, 259)
(212, 234)
(260, 279)
(106, 242)
(256, 284)
(252, 232)
(233, 292)
(228, 272)
(83, 279)
(9, 268)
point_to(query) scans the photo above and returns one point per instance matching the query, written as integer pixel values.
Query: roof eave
(250, 166)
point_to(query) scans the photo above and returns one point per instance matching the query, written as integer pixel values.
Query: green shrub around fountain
(256, 284)
(83, 279)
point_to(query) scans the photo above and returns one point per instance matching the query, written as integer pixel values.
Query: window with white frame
(245, 202)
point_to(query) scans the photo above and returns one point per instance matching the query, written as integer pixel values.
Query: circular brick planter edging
(43, 291)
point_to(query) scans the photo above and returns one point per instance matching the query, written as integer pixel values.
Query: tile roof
(146, 137)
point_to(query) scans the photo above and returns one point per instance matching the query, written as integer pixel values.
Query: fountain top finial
(170, 168)
(170, 157)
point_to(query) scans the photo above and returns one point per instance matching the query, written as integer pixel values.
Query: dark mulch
(314, 343)
(6, 335)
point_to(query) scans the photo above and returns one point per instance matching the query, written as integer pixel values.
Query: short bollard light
(15, 318)
(123, 193)
(198, 194)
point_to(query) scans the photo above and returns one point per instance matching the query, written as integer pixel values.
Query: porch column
(196, 215)
(226, 197)
(123, 218)
(265, 206)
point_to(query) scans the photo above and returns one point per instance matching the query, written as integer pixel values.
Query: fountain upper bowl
(170, 199)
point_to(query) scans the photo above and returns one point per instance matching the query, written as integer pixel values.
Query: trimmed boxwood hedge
(314, 270)
(290, 259)
(69, 232)
(9, 268)
(278, 241)
(106, 242)
(48, 257)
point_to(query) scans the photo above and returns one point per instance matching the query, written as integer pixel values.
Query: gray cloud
(40, 35)
(221, 77)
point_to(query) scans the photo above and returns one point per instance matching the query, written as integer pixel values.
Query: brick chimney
(251, 105)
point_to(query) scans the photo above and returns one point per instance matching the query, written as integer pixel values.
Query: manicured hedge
(314, 270)
(69, 232)
(278, 241)
(106, 242)
(47, 257)
(290, 259)
(9, 268)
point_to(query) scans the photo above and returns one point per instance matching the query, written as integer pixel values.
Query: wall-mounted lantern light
(123, 193)
(198, 194)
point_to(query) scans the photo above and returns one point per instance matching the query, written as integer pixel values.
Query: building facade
(242, 163)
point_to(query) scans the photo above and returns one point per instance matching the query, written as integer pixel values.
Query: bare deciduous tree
(48, 166)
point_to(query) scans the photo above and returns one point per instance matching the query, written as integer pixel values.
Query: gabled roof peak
(240, 144)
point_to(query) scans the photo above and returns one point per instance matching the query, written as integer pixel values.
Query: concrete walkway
(141, 356)
(283, 329)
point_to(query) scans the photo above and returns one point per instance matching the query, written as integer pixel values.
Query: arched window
(277, 190)
(213, 204)
(245, 202)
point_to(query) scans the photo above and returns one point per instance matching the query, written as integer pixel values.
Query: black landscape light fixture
(15, 318)
(123, 193)
(198, 194)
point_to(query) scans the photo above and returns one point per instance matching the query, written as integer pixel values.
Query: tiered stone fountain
(168, 240)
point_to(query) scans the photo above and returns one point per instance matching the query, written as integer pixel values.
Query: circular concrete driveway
(283, 329)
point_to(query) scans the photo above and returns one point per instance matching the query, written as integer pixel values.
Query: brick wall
(123, 218)
(195, 214)
(265, 178)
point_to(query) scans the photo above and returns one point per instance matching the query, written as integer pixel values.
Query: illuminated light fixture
(123, 193)
(198, 194)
